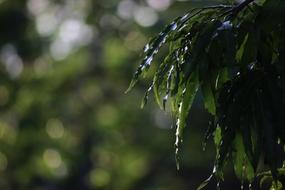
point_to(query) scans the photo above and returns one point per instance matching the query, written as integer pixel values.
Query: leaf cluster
(233, 54)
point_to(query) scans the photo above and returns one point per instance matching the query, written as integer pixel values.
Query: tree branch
(236, 9)
(241, 6)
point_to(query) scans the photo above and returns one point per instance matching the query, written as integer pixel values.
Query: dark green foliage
(235, 56)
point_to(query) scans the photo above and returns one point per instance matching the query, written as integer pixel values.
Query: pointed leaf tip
(132, 84)
(205, 183)
(144, 100)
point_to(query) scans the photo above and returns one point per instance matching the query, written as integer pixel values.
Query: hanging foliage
(233, 54)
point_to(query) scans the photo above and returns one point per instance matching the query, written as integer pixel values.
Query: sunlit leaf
(242, 166)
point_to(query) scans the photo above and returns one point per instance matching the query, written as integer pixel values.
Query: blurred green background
(65, 122)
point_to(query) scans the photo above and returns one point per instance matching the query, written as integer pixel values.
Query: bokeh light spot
(54, 128)
(145, 16)
(126, 9)
(37, 6)
(46, 23)
(12, 61)
(100, 177)
(52, 158)
(160, 5)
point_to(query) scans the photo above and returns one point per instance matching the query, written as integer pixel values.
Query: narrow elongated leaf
(200, 44)
(209, 98)
(151, 50)
(188, 98)
(249, 54)
(205, 183)
(223, 76)
(242, 166)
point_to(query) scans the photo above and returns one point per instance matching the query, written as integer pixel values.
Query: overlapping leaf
(236, 60)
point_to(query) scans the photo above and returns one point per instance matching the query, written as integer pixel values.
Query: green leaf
(222, 49)
(145, 98)
(151, 49)
(276, 185)
(223, 76)
(205, 183)
(242, 166)
(218, 136)
(200, 44)
(241, 49)
(160, 78)
(249, 53)
(188, 98)
(209, 99)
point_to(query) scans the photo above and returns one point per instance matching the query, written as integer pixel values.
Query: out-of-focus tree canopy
(65, 122)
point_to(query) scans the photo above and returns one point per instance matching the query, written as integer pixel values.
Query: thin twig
(199, 10)
(236, 9)
(241, 6)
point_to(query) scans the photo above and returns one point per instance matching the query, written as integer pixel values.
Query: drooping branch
(242, 5)
(236, 9)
